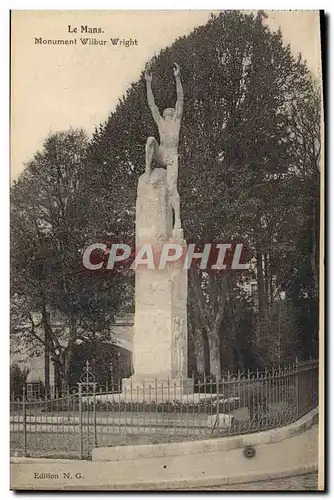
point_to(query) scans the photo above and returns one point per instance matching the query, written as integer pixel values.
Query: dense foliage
(249, 171)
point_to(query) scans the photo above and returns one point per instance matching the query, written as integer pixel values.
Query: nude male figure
(169, 130)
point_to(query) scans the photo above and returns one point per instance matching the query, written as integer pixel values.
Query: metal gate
(87, 412)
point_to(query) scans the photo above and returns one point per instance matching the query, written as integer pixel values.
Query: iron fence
(90, 415)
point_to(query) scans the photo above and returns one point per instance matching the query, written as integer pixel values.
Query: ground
(298, 483)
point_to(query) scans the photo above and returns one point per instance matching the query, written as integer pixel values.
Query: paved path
(305, 482)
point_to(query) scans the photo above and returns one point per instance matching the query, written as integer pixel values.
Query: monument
(160, 326)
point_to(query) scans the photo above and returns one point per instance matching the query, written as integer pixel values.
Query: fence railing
(89, 415)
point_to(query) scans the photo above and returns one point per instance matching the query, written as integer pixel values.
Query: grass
(57, 445)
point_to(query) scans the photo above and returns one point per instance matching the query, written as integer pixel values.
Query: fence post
(94, 413)
(80, 422)
(218, 403)
(24, 423)
(297, 386)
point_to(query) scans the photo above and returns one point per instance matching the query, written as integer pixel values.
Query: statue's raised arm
(150, 99)
(166, 153)
(179, 92)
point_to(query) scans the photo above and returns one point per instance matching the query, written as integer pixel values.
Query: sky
(54, 87)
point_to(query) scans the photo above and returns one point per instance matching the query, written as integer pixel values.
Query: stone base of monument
(147, 389)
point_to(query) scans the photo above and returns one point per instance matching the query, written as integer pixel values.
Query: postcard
(166, 233)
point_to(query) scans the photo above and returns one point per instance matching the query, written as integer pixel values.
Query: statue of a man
(169, 130)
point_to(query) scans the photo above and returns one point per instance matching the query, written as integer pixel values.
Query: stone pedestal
(141, 388)
(160, 326)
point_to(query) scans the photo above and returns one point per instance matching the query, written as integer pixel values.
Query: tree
(238, 177)
(47, 240)
(278, 341)
(18, 378)
(249, 171)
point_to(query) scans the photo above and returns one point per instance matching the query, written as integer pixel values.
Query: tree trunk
(211, 315)
(46, 368)
(57, 379)
(67, 366)
(64, 370)
(206, 351)
(67, 354)
(215, 365)
(270, 277)
(260, 285)
(266, 278)
(47, 342)
(315, 233)
(201, 317)
(236, 348)
(192, 360)
(201, 360)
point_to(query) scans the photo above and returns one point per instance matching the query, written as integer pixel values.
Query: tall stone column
(160, 340)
